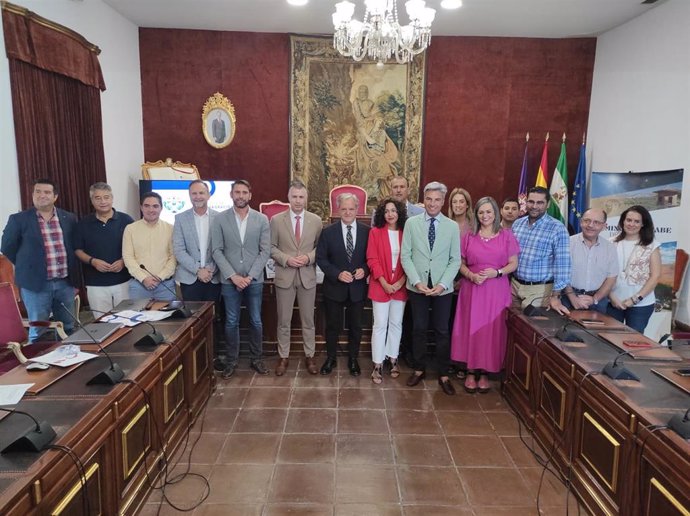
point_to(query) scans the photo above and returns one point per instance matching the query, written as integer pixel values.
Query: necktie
(298, 233)
(432, 233)
(350, 247)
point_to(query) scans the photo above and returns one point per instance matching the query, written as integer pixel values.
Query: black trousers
(434, 310)
(200, 291)
(334, 323)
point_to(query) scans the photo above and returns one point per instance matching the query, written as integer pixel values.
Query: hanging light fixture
(380, 36)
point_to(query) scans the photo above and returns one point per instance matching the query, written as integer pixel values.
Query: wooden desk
(601, 430)
(118, 432)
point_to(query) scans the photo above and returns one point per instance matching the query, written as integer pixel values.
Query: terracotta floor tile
(304, 379)
(482, 486)
(520, 454)
(311, 421)
(229, 510)
(267, 397)
(552, 493)
(260, 420)
(271, 380)
(361, 509)
(436, 510)
(407, 399)
(364, 449)
(461, 401)
(479, 451)
(362, 422)
(493, 401)
(241, 378)
(152, 509)
(425, 485)
(227, 398)
(189, 491)
(207, 450)
(464, 423)
(220, 420)
(298, 509)
(360, 399)
(250, 483)
(366, 484)
(314, 398)
(504, 423)
(363, 381)
(250, 449)
(303, 483)
(530, 510)
(302, 448)
(424, 450)
(413, 422)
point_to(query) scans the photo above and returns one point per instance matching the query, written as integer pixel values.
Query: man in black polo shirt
(98, 245)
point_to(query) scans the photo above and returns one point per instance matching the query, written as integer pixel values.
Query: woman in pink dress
(489, 255)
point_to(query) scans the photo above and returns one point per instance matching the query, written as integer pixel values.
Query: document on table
(132, 317)
(61, 359)
(12, 394)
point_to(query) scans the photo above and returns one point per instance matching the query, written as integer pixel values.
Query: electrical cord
(81, 471)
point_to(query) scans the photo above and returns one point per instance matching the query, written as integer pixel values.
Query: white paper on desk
(132, 317)
(61, 359)
(12, 394)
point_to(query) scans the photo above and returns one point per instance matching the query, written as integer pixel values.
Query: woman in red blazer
(386, 285)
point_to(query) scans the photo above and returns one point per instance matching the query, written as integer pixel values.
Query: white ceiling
(518, 18)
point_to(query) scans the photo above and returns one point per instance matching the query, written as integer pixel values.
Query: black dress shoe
(447, 387)
(229, 371)
(353, 366)
(414, 379)
(328, 366)
(259, 367)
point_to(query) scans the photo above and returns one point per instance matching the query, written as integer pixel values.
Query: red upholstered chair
(358, 191)
(273, 208)
(13, 332)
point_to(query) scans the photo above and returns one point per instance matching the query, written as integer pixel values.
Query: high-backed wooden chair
(13, 329)
(358, 191)
(273, 208)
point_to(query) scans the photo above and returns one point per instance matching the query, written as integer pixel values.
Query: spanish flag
(542, 174)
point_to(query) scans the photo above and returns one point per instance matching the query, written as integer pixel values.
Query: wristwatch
(637, 299)
(499, 273)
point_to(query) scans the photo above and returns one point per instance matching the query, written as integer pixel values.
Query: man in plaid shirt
(38, 241)
(544, 260)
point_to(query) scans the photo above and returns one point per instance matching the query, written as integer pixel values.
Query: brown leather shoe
(311, 366)
(446, 386)
(415, 378)
(282, 366)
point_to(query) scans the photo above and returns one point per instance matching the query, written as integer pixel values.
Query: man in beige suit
(294, 235)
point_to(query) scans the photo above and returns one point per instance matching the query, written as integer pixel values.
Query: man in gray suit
(196, 271)
(241, 243)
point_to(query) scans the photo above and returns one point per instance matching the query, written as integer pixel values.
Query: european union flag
(578, 202)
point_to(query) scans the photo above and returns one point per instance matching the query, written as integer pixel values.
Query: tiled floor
(338, 445)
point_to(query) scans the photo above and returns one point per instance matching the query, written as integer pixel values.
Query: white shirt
(202, 224)
(393, 238)
(354, 233)
(241, 224)
(622, 289)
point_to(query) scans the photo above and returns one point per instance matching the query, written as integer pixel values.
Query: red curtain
(56, 82)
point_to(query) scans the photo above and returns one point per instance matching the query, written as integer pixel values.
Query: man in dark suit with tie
(341, 255)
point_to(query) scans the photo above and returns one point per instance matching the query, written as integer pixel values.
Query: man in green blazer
(430, 255)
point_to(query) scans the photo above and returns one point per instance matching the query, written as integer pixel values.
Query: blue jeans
(137, 290)
(636, 317)
(251, 296)
(39, 305)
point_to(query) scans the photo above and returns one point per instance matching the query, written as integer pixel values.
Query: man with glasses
(544, 260)
(594, 265)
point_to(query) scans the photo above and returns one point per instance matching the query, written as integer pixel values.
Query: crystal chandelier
(380, 36)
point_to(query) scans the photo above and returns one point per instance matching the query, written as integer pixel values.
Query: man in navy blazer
(341, 255)
(39, 242)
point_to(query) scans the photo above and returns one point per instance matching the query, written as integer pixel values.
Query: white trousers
(104, 299)
(385, 335)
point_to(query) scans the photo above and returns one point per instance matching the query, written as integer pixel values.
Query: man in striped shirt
(544, 260)
(38, 241)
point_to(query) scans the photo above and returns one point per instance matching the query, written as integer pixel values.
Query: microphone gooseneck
(180, 310)
(152, 339)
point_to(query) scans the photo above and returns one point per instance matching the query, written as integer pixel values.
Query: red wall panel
(482, 95)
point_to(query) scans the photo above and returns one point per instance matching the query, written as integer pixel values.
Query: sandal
(483, 385)
(376, 374)
(395, 370)
(461, 374)
(470, 384)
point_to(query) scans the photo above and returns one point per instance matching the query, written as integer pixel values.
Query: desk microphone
(110, 375)
(33, 440)
(620, 372)
(681, 424)
(536, 311)
(180, 310)
(565, 335)
(151, 339)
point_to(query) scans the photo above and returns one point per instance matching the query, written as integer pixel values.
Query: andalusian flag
(542, 174)
(578, 204)
(558, 205)
(522, 189)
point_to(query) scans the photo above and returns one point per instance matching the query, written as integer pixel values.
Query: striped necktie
(350, 247)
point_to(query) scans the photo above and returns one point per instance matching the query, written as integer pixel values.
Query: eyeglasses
(587, 222)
